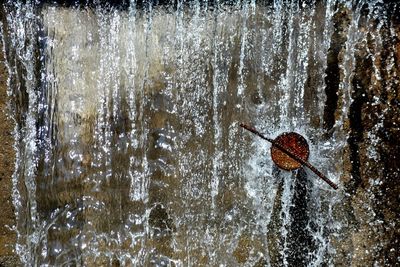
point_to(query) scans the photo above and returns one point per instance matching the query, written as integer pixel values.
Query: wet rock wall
(369, 211)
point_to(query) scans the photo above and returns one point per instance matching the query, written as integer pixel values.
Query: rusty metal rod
(290, 154)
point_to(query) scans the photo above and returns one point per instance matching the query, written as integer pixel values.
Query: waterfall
(129, 150)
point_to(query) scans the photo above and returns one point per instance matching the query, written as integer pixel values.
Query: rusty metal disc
(294, 143)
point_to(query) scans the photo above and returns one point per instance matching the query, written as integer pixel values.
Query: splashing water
(129, 149)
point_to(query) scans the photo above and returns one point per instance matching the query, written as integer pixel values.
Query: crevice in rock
(360, 85)
(332, 79)
(301, 243)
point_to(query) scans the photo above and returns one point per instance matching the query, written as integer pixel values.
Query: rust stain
(294, 143)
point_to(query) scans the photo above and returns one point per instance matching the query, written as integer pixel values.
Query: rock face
(372, 233)
(362, 103)
(7, 158)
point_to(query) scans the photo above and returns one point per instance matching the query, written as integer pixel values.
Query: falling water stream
(129, 150)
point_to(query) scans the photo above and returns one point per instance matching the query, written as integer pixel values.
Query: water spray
(290, 151)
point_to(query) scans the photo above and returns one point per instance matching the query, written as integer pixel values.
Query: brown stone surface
(369, 212)
(7, 156)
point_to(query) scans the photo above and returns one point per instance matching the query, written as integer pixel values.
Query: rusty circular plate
(294, 143)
